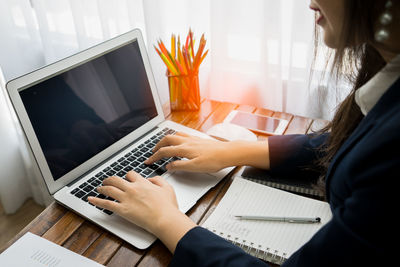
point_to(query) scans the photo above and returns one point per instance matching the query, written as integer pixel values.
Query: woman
(357, 156)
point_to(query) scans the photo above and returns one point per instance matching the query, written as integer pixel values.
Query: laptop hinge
(101, 163)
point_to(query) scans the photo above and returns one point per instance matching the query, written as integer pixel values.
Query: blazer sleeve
(295, 155)
(200, 247)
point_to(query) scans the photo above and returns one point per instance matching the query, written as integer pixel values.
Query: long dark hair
(356, 60)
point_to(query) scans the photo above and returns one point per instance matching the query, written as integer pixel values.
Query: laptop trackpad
(189, 186)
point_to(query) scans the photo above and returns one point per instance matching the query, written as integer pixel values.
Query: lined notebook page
(281, 238)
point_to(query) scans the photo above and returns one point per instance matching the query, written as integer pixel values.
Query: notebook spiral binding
(255, 250)
(290, 188)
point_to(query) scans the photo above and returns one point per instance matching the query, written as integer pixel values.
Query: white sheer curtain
(261, 50)
(260, 54)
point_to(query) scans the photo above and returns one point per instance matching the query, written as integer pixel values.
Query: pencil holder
(183, 63)
(184, 91)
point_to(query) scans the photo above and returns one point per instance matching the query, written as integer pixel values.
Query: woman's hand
(141, 201)
(149, 203)
(209, 155)
(204, 155)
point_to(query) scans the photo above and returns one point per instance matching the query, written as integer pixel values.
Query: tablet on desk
(257, 123)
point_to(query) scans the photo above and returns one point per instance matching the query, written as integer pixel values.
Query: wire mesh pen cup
(184, 91)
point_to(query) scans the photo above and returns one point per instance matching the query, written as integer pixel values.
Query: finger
(158, 180)
(104, 203)
(111, 191)
(133, 176)
(182, 134)
(169, 140)
(116, 182)
(182, 165)
(165, 152)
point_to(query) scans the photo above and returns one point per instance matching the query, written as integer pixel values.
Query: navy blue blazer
(360, 184)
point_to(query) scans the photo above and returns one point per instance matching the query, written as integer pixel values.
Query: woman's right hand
(203, 155)
(209, 155)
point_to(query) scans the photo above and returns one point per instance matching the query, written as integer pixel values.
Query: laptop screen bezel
(16, 85)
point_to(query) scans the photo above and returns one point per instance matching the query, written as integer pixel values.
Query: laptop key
(121, 174)
(143, 166)
(138, 169)
(90, 194)
(161, 170)
(88, 188)
(109, 212)
(110, 198)
(114, 164)
(135, 164)
(118, 168)
(153, 167)
(103, 177)
(125, 163)
(102, 196)
(83, 185)
(131, 158)
(128, 168)
(150, 146)
(80, 194)
(155, 141)
(96, 183)
(74, 191)
(141, 159)
(138, 154)
(146, 172)
(111, 173)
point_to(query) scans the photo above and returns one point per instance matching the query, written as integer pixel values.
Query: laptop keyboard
(132, 160)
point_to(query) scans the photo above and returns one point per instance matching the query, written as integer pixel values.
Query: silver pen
(280, 219)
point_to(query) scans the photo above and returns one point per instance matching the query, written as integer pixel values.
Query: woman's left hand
(149, 203)
(140, 201)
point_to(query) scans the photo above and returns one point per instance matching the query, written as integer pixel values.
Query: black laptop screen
(84, 110)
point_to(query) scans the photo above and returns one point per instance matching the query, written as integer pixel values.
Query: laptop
(96, 114)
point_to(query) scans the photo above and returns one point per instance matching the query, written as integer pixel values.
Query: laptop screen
(84, 110)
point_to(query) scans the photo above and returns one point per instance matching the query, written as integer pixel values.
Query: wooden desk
(71, 231)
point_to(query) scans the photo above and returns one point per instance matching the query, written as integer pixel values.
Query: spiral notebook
(291, 184)
(270, 241)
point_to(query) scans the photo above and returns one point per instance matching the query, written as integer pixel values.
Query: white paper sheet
(34, 251)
